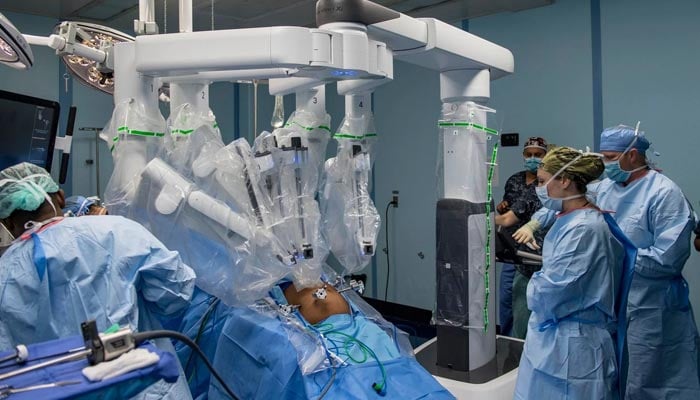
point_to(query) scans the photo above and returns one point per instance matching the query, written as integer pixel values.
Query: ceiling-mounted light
(14, 49)
(88, 71)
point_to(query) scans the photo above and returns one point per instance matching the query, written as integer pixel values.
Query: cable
(143, 336)
(202, 325)
(380, 388)
(386, 239)
(328, 385)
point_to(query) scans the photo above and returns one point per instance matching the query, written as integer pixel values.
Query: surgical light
(91, 72)
(14, 49)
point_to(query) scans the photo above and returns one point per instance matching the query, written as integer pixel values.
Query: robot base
(493, 381)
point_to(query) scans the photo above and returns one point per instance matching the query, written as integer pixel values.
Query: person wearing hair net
(656, 216)
(59, 272)
(569, 352)
(519, 204)
(79, 206)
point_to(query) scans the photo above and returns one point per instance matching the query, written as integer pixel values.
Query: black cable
(386, 239)
(202, 325)
(143, 336)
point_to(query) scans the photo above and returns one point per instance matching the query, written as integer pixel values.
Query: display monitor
(28, 127)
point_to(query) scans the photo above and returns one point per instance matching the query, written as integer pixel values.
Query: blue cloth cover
(121, 387)
(258, 360)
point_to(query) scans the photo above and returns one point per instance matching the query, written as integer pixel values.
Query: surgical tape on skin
(133, 360)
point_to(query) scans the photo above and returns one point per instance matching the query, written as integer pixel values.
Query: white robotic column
(138, 95)
(194, 94)
(466, 329)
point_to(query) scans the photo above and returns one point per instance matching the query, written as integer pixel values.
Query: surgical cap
(536, 143)
(618, 138)
(585, 170)
(24, 187)
(79, 205)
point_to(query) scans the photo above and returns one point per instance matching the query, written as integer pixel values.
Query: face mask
(6, 238)
(556, 204)
(617, 174)
(532, 163)
(548, 202)
(552, 203)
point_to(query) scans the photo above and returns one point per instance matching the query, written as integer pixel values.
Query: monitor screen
(28, 128)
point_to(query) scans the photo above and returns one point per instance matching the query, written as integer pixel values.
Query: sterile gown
(662, 336)
(569, 352)
(106, 268)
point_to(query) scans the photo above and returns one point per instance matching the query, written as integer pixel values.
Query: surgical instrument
(6, 391)
(20, 356)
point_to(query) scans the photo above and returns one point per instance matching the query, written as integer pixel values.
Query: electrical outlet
(395, 198)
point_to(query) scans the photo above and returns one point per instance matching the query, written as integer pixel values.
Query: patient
(313, 309)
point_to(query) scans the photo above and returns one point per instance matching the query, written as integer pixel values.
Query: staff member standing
(519, 203)
(59, 272)
(569, 351)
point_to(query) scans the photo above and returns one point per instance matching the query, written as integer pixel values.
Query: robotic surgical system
(254, 219)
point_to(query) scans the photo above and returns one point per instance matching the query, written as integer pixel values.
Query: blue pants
(505, 299)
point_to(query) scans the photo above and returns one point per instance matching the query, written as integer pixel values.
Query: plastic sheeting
(192, 135)
(135, 135)
(290, 159)
(463, 271)
(350, 219)
(231, 256)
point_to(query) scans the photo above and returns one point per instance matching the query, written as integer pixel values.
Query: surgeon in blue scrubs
(653, 212)
(656, 216)
(569, 352)
(59, 272)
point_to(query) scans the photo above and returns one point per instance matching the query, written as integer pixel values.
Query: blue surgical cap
(25, 187)
(79, 205)
(618, 138)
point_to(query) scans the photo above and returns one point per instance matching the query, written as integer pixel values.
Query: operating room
(571, 72)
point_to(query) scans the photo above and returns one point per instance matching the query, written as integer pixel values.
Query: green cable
(489, 198)
(365, 351)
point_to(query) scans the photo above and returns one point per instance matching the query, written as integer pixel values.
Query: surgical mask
(532, 163)
(617, 174)
(552, 203)
(556, 203)
(6, 238)
(548, 202)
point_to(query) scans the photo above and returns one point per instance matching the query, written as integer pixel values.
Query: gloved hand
(526, 234)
